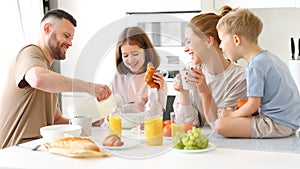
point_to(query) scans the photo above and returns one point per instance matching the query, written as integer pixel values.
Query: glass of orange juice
(115, 123)
(175, 127)
(153, 127)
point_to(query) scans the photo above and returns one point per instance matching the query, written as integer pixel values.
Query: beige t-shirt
(227, 89)
(23, 109)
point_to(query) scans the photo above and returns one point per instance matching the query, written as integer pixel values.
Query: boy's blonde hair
(241, 22)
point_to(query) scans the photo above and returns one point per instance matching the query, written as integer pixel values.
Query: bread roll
(112, 140)
(148, 77)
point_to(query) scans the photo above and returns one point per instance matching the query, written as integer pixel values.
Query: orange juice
(115, 125)
(177, 128)
(153, 131)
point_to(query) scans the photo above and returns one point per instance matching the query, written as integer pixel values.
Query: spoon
(36, 147)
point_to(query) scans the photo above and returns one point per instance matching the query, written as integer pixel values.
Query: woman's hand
(177, 83)
(197, 78)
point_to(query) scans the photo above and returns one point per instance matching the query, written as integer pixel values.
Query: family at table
(215, 43)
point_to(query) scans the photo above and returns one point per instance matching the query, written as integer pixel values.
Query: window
(20, 25)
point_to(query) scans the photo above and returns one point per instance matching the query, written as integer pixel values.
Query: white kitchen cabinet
(298, 3)
(257, 3)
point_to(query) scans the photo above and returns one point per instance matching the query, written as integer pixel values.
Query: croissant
(112, 140)
(148, 78)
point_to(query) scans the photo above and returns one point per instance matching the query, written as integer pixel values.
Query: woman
(218, 82)
(134, 50)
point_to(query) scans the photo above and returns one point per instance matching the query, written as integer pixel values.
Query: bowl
(131, 120)
(54, 131)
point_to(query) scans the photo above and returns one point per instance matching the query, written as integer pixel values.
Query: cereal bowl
(54, 131)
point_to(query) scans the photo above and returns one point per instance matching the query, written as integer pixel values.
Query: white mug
(184, 75)
(85, 122)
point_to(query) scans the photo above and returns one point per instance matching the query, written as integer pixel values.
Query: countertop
(158, 157)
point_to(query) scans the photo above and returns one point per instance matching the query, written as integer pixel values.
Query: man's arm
(49, 81)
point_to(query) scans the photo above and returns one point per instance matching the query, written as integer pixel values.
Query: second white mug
(85, 122)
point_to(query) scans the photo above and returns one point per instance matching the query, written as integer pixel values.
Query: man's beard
(55, 48)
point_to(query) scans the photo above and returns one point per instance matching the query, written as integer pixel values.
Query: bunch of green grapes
(177, 140)
(192, 140)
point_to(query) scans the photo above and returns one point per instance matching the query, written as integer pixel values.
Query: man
(29, 100)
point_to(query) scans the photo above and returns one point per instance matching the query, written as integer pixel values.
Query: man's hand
(101, 92)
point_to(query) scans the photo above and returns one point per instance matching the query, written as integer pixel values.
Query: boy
(270, 87)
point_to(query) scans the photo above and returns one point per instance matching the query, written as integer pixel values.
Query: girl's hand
(159, 79)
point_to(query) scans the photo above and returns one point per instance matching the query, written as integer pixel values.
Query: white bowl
(131, 120)
(51, 132)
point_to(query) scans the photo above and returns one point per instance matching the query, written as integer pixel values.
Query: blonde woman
(219, 83)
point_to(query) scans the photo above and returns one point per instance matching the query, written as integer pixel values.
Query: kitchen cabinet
(298, 3)
(257, 3)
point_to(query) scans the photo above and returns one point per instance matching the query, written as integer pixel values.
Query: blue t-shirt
(269, 78)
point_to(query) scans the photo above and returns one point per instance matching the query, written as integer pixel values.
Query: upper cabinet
(298, 3)
(257, 3)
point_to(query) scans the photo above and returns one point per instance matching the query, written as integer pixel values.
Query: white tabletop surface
(19, 157)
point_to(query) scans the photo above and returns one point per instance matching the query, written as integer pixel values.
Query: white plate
(128, 143)
(211, 146)
(137, 130)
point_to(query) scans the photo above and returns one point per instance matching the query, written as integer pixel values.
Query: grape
(192, 137)
(192, 140)
(196, 135)
(177, 140)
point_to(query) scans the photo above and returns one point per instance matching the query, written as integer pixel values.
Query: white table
(18, 157)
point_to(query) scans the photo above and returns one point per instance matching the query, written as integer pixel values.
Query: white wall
(14, 33)
(93, 15)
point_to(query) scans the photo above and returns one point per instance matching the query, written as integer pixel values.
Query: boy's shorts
(264, 127)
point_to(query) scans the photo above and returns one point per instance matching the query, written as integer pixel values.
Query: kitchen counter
(18, 157)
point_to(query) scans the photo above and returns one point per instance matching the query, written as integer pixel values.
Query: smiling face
(60, 38)
(195, 46)
(133, 57)
(196, 60)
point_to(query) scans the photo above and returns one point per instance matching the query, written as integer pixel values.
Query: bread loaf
(148, 77)
(73, 143)
(112, 140)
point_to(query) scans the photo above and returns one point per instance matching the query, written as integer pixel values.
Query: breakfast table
(139, 155)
